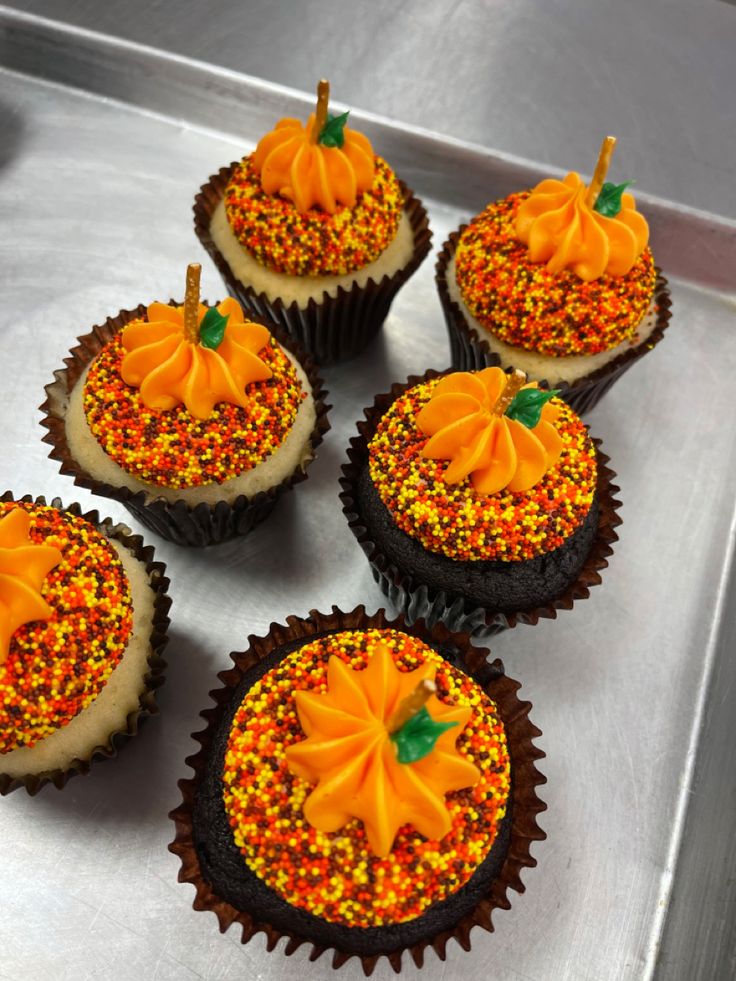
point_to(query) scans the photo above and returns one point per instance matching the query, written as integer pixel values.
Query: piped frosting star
(321, 164)
(492, 428)
(593, 230)
(193, 355)
(351, 753)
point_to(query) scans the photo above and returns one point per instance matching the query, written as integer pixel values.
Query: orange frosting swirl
(171, 369)
(291, 163)
(564, 230)
(466, 425)
(349, 754)
(23, 568)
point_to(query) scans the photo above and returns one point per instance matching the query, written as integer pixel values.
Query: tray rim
(685, 239)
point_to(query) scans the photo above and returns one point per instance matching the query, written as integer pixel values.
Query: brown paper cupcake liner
(470, 352)
(339, 327)
(416, 599)
(178, 522)
(526, 778)
(154, 677)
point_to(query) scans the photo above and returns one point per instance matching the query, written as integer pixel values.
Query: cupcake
(558, 282)
(83, 618)
(193, 417)
(479, 499)
(362, 786)
(314, 230)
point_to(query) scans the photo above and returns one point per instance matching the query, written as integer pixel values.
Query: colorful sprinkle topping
(524, 304)
(315, 243)
(336, 875)
(456, 521)
(57, 667)
(170, 448)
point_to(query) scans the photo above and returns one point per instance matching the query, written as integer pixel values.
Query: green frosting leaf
(608, 202)
(333, 134)
(212, 328)
(526, 406)
(416, 738)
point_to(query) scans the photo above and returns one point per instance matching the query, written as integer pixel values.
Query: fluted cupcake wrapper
(416, 599)
(470, 352)
(338, 327)
(178, 522)
(154, 677)
(526, 778)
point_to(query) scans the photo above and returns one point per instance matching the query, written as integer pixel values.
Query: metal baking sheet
(104, 146)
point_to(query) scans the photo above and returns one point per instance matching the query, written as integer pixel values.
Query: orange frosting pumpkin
(562, 229)
(292, 161)
(171, 367)
(350, 755)
(466, 424)
(23, 568)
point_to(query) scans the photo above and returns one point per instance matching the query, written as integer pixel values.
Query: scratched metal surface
(537, 78)
(95, 197)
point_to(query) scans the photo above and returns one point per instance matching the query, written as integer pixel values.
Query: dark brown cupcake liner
(416, 599)
(154, 677)
(339, 327)
(178, 522)
(470, 352)
(526, 778)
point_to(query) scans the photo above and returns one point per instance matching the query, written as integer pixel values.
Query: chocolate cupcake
(479, 499)
(314, 231)
(193, 417)
(83, 619)
(558, 282)
(362, 786)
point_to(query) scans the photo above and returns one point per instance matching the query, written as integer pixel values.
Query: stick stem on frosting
(601, 169)
(515, 383)
(323, 98)
(191, 303)
(409, 706)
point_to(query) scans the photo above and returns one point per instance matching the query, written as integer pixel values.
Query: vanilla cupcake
(82, 627)
(193, 417)
(314, 230)
(558, 282)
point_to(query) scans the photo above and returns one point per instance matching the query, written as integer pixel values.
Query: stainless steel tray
(105, 143)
